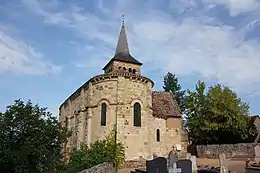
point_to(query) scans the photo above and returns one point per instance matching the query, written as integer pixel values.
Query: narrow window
(66, 123)
(134, 71)
(158, 135)
(119, 67)
(130, 70)
(124, 68)
(137, 114)
(103, 114)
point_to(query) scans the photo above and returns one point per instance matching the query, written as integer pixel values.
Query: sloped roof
(122, 50)
(164, 105)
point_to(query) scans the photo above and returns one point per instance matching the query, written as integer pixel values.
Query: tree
(31, 139)
(106, 150)
(171, 83)
(217, 116)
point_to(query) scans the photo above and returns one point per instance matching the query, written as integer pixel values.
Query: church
(147, 122)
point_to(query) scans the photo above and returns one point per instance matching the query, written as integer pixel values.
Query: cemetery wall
(230, 150)
(101, 168)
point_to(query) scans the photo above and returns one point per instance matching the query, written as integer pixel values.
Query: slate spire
(122, 44)
(122, 52)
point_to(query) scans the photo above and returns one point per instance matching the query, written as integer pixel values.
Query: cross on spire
(122, 44)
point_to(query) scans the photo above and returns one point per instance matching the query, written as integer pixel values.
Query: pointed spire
(122, 44)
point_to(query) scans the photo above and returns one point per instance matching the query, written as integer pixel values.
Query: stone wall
(101, 168)
(120, 92)
(230, 150)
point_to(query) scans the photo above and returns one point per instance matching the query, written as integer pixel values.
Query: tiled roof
(164, 105)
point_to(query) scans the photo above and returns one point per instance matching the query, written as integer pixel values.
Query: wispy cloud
(19, 57)
(193, 44)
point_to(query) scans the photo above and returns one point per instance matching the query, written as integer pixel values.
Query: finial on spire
(123, 19)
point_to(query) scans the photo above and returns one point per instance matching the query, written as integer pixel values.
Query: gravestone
(185, 165)
(172, 157)
(223, 163)
(157, 165)
(257, 153)
(194, 163)
(188, 155)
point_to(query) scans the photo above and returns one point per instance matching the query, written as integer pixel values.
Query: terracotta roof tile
(164, 105)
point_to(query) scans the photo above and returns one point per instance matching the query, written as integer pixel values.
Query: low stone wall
(101, 168)
(134, 164)
(230, 150)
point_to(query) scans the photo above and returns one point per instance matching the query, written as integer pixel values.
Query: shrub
(106, 150)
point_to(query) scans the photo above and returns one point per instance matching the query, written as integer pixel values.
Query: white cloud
(194, 45)
(237, 6)
(17, 56)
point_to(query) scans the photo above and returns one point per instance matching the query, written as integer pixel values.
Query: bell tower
(123, 61)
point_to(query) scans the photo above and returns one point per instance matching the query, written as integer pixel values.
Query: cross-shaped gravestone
(172, 157)
(174, 169)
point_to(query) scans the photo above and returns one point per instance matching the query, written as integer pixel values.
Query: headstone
(185, 165)
(194, 163)
(172, 157)
(257, 153)
(157, 165)
(223, 163)
(188, 155)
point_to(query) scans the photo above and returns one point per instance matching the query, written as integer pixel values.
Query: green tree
(31, 139)
(217, 116)
(171, 83)
(106, 150)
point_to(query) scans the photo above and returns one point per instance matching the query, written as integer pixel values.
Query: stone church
(147, 122)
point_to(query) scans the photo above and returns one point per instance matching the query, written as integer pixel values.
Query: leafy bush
(101, 151)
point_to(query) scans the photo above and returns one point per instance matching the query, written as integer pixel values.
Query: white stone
(194, 163)
(174, 169)
(223, 163)
(188, 155)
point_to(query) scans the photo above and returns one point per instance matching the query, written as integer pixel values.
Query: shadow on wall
(192, 149)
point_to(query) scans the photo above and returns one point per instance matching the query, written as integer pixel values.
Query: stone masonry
(101, 168)
(120, 87)
(230, 150)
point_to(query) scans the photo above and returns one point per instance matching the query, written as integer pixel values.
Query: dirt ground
(233, 166)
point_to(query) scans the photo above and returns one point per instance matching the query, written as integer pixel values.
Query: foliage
(106, 150)
(171, 83)
(31, 139)
(217, 116)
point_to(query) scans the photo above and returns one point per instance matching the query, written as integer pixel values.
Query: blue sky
(49, 48)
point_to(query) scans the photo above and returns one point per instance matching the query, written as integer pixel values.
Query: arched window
(103, 114)
(134, 71)
(119, 67)
(137, 114)
(130, 70)
(158, 135)
(124, 68)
